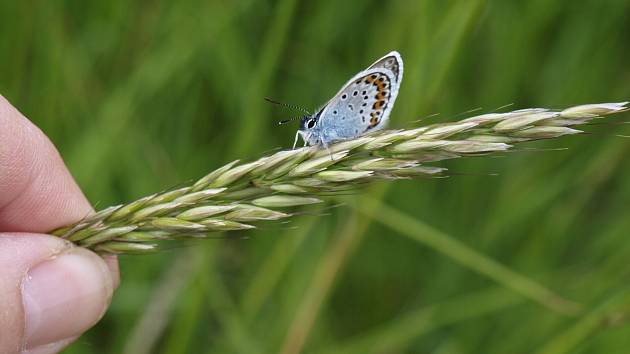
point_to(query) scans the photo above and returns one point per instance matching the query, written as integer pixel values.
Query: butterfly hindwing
(359, 107)
(393, 62)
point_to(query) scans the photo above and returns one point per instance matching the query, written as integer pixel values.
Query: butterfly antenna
(289, 106)
(288, 120)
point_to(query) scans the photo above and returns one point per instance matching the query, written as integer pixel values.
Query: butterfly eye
(310, 124)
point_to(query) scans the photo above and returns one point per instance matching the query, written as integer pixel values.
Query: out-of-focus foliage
(141, 96)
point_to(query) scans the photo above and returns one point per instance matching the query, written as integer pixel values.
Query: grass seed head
(236, 195)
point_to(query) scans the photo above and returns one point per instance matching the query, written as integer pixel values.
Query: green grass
(142, 96)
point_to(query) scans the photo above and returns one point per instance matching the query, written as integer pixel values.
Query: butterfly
(361, 106)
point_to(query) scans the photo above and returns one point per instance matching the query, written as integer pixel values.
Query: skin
(52, 291)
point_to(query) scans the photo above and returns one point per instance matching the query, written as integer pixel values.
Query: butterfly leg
(306, 138)
(297, 134)
(325, 144)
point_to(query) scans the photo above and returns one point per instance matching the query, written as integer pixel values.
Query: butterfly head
(308, 123)
(309, 129)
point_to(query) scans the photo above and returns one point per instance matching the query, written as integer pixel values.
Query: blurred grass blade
(395, 335)
(156, 316)
(318, 289)
(418, 231)
(614, 308)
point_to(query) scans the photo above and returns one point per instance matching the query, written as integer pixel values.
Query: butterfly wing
(364, 103)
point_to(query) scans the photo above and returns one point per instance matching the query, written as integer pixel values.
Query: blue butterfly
(361, 106)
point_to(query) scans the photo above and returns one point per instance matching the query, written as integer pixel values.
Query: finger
(37, 193)
(51, 292)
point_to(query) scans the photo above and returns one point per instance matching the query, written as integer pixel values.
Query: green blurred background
(140, 96)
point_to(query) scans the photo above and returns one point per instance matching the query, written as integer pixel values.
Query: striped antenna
(286, 105)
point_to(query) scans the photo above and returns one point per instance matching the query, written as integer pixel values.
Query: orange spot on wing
(378, 104)
(373, 121)
(370, 79)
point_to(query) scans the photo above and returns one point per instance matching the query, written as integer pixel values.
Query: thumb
(51, 292)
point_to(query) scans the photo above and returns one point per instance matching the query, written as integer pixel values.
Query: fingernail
(51, 348)
(64, 296)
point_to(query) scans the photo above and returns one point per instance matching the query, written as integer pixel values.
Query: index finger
(37, 193)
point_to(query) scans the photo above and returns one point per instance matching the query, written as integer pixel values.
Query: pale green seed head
(199, 196)
(130, 208)
(290, 163)
(445, 130)
(246, 193)
(343, 146)
(418, 171)
(289, 189)
(210, 177)
(155, 210)
(417, 144)
(141, 236)
(491, 139)
(233, 194)
(387, 138)
(523, 121)
(234, 174)
(275, 159)
(384, 164)
(204, 212)
(174, 224)
(116, 247)
(544, 132)
(170, 195)
(108, 234)
(342, 176)
(474, 147)
(310, 182)
(317, 164)
(279, 201)
(253, 213)
(225, 225)
(592, 110)
(488, 118)
(85, 233)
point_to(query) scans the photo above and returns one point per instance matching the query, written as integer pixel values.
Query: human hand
(51, 290)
